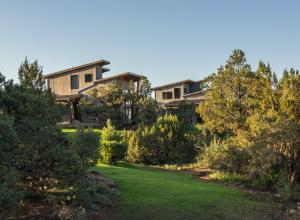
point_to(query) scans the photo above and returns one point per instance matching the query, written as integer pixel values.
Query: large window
(88, 78)
(98, 75)
(74, 82)
(167, 95)
(177, 92)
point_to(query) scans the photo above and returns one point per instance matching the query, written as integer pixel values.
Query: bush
(91, 194)
(166, 141)
(134, 149)
(86, 145)
(227, 178)
(112, 146)
(267, 180)
(262, 171)
(288, 192)
(143, 146)
(224, 156)
(11, 188)
(11, 191)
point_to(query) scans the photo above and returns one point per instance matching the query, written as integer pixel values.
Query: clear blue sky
(167, 40)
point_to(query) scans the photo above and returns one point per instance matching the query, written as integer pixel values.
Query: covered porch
(69, 108)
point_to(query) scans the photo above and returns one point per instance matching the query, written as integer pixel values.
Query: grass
(151, 193)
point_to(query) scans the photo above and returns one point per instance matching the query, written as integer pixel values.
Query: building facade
(70, 85)
(175, 93)
(170, 96)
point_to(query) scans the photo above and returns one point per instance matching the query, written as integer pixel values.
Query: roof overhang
(189, 81)
(67, 98)
(98, 62)
(126, 76)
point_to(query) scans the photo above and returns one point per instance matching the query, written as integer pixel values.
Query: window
(88, 78)
(167, 95)
(98, 75)
(185, 90)
(74, 82)
(177, 93)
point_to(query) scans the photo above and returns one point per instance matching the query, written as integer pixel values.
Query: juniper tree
(227, 101)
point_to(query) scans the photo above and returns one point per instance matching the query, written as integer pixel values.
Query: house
(70, 85)
(170, 96)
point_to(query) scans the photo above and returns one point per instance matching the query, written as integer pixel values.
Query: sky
(166, 40)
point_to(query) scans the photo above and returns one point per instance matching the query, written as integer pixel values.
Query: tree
(275, 125)
(120, 104)
(289, 89)
(261, 119)
(31, 75)
(228, 103)
(137, 92)
(35, 156)
(147, 110)
(185, 113)
(112, 147)
(107, 102)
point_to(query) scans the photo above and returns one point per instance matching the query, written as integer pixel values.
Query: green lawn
(150, 193)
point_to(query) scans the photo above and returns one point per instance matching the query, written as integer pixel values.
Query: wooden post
(72, 114)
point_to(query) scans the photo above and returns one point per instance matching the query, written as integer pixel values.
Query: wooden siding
(61, 84)
(190, 93)
(159, 93)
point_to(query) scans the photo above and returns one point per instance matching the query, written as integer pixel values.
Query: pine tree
(31, 75)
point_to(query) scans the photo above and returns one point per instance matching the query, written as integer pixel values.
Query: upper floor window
(177, 92)
(98, 75)
(74, 82)
(185, 90)
(167, 95)
(88, 78)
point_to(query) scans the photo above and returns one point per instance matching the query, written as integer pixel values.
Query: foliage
(11, 190)
(31, 75)
(204, 136)
(227, 103)
(259, 116)
(147, 110)
(227, 178)
(166, 141)
(106, 102)
(224, 156)
(112, 146)
(124, 104)
(37, 159)
(143, 146)
(91, 194)
(85, 142)
(185, 112)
